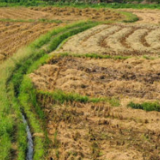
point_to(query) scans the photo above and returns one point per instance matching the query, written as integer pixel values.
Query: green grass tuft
(147, 106)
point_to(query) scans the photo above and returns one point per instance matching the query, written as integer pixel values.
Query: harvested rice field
(26, 13)
(15, 35)
(100, 94)
(116, 39)
(18, 30)
(105, 130)
(72, 14)
(65, 14)
(130, 78)
(89, 90)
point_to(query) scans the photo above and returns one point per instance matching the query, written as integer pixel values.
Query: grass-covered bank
(113, 5)
(11, 74)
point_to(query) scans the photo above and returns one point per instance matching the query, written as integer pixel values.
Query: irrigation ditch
(13, 96)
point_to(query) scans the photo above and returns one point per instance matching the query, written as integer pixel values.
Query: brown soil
(100, 131)
(116, 39)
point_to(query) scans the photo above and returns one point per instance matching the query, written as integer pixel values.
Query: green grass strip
(147, 106)
(89, 55)
(60, 97)
(114, 5)
(31, 20)
(129, 17)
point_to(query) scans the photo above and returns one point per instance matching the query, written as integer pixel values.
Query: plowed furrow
(114, 41)
(7, 27)
(143, 39)
(123, 39)
(153, 39)
(96, 39)
(93, 32)
(21, 41)
(135, 40)
(22, 33)
(89, 45)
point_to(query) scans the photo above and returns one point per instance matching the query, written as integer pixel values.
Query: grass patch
(88, 55)
(129, 17)
(61, 97)
(31, 20)
(147, 106)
